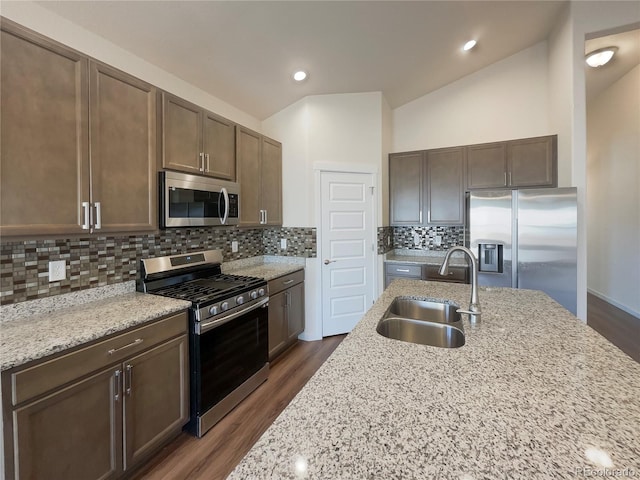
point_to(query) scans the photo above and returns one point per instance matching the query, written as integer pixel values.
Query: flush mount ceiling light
(300, 75)
(469, 45)
(600, 57)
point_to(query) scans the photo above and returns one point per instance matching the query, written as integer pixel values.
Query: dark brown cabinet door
(181, 135)
(44, 157)
(444, 186)
(249, 170)
(487, 165)
(533, 162)
(219, 147)
(123, 151)
(156, 398)
(405, 188)
(277, 323)
(295, 311)
(271, 181)
(74, 433)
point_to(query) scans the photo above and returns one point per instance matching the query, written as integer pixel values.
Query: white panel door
(347, 249)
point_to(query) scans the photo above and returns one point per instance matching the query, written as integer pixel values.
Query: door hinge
(371, 190)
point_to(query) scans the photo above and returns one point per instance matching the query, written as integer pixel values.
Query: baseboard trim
(607, 299)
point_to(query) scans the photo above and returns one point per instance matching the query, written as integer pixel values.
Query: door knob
(327, 262)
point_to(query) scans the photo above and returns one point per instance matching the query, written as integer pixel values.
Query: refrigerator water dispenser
(490, 255)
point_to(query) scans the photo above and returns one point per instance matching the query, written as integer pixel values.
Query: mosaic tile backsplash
(406, 237)
(97, 261)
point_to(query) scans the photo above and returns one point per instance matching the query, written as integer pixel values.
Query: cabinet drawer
(281, 283)
(403, 270)
(38, 379)
(456, 274)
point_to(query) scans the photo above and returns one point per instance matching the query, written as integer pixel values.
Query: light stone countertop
(263, 267)
(63, 324)
(426, 258)
(532, 394)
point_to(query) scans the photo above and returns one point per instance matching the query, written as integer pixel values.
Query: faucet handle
(474, 316)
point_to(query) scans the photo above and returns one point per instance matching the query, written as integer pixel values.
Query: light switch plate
(57, 270)
(438, 240)
(283, 244)
(234, 246)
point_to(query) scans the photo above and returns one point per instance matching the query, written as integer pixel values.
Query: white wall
(503, 101)
(35, 17)
(343, 131)
(613, 196)
(568, 102)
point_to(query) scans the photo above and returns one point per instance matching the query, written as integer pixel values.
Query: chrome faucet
(474, 307)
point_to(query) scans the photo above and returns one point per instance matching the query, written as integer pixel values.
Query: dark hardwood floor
(619, 327)
(216, 454)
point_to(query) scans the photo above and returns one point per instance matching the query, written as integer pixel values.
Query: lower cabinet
(104, 421)
(286, 312)
(393, 270)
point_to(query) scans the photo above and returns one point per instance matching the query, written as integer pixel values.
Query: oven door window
(230, 354)
(187, 203)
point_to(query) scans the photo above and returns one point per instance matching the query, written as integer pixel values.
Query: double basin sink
(426, 322)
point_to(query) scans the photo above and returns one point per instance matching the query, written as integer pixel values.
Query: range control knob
(261, 292)
(224, 306)
(240, 300)
(254, 295)
(214, 310)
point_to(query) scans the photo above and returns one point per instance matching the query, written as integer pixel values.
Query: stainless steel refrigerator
(526, 239)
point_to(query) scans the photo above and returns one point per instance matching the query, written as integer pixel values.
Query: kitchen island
(534, 393)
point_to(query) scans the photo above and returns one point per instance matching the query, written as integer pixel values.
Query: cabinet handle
(98, 224)
(288, 297)
(505, 179)
(287, 282)
(137, 341)
(85, 212)
(127, 379)
(263, 217)
(510, 179)
(116, 386)
(404, 270)
(201, 162)
(266, 217)
(420, 220)
(206, 155)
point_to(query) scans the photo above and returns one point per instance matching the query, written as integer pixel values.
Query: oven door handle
(225, 194)
(205, 327)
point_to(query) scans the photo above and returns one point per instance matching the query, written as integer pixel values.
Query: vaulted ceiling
(244, 52)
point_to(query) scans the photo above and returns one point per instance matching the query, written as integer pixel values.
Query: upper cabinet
(445, 186)
(78, 142)
(406, 188)
(197, 141)
(527, 162)
(259, 164)
(427, 188)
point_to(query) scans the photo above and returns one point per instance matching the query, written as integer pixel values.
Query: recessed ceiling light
(469, 45)
(600, 57)
(300, 75)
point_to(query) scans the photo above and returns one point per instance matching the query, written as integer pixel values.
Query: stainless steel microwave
(194, 201)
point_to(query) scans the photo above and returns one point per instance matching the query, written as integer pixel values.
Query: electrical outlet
(283, 244)
(416, 239)
(438, 240)
(57, 270)
(234, 246)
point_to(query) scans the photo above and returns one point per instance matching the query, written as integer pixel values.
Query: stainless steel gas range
(228, 329)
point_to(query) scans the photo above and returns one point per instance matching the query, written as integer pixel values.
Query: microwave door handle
(225, 194)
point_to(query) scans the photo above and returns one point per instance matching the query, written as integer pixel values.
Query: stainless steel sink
(428, 310)
(426, 322)
(422, 332)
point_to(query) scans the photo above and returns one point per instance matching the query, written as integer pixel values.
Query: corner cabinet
(196, 141)
(90, 128)
(259, 164)
(98, 411)
(427, 187)
(522, 163)
(286, 312)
